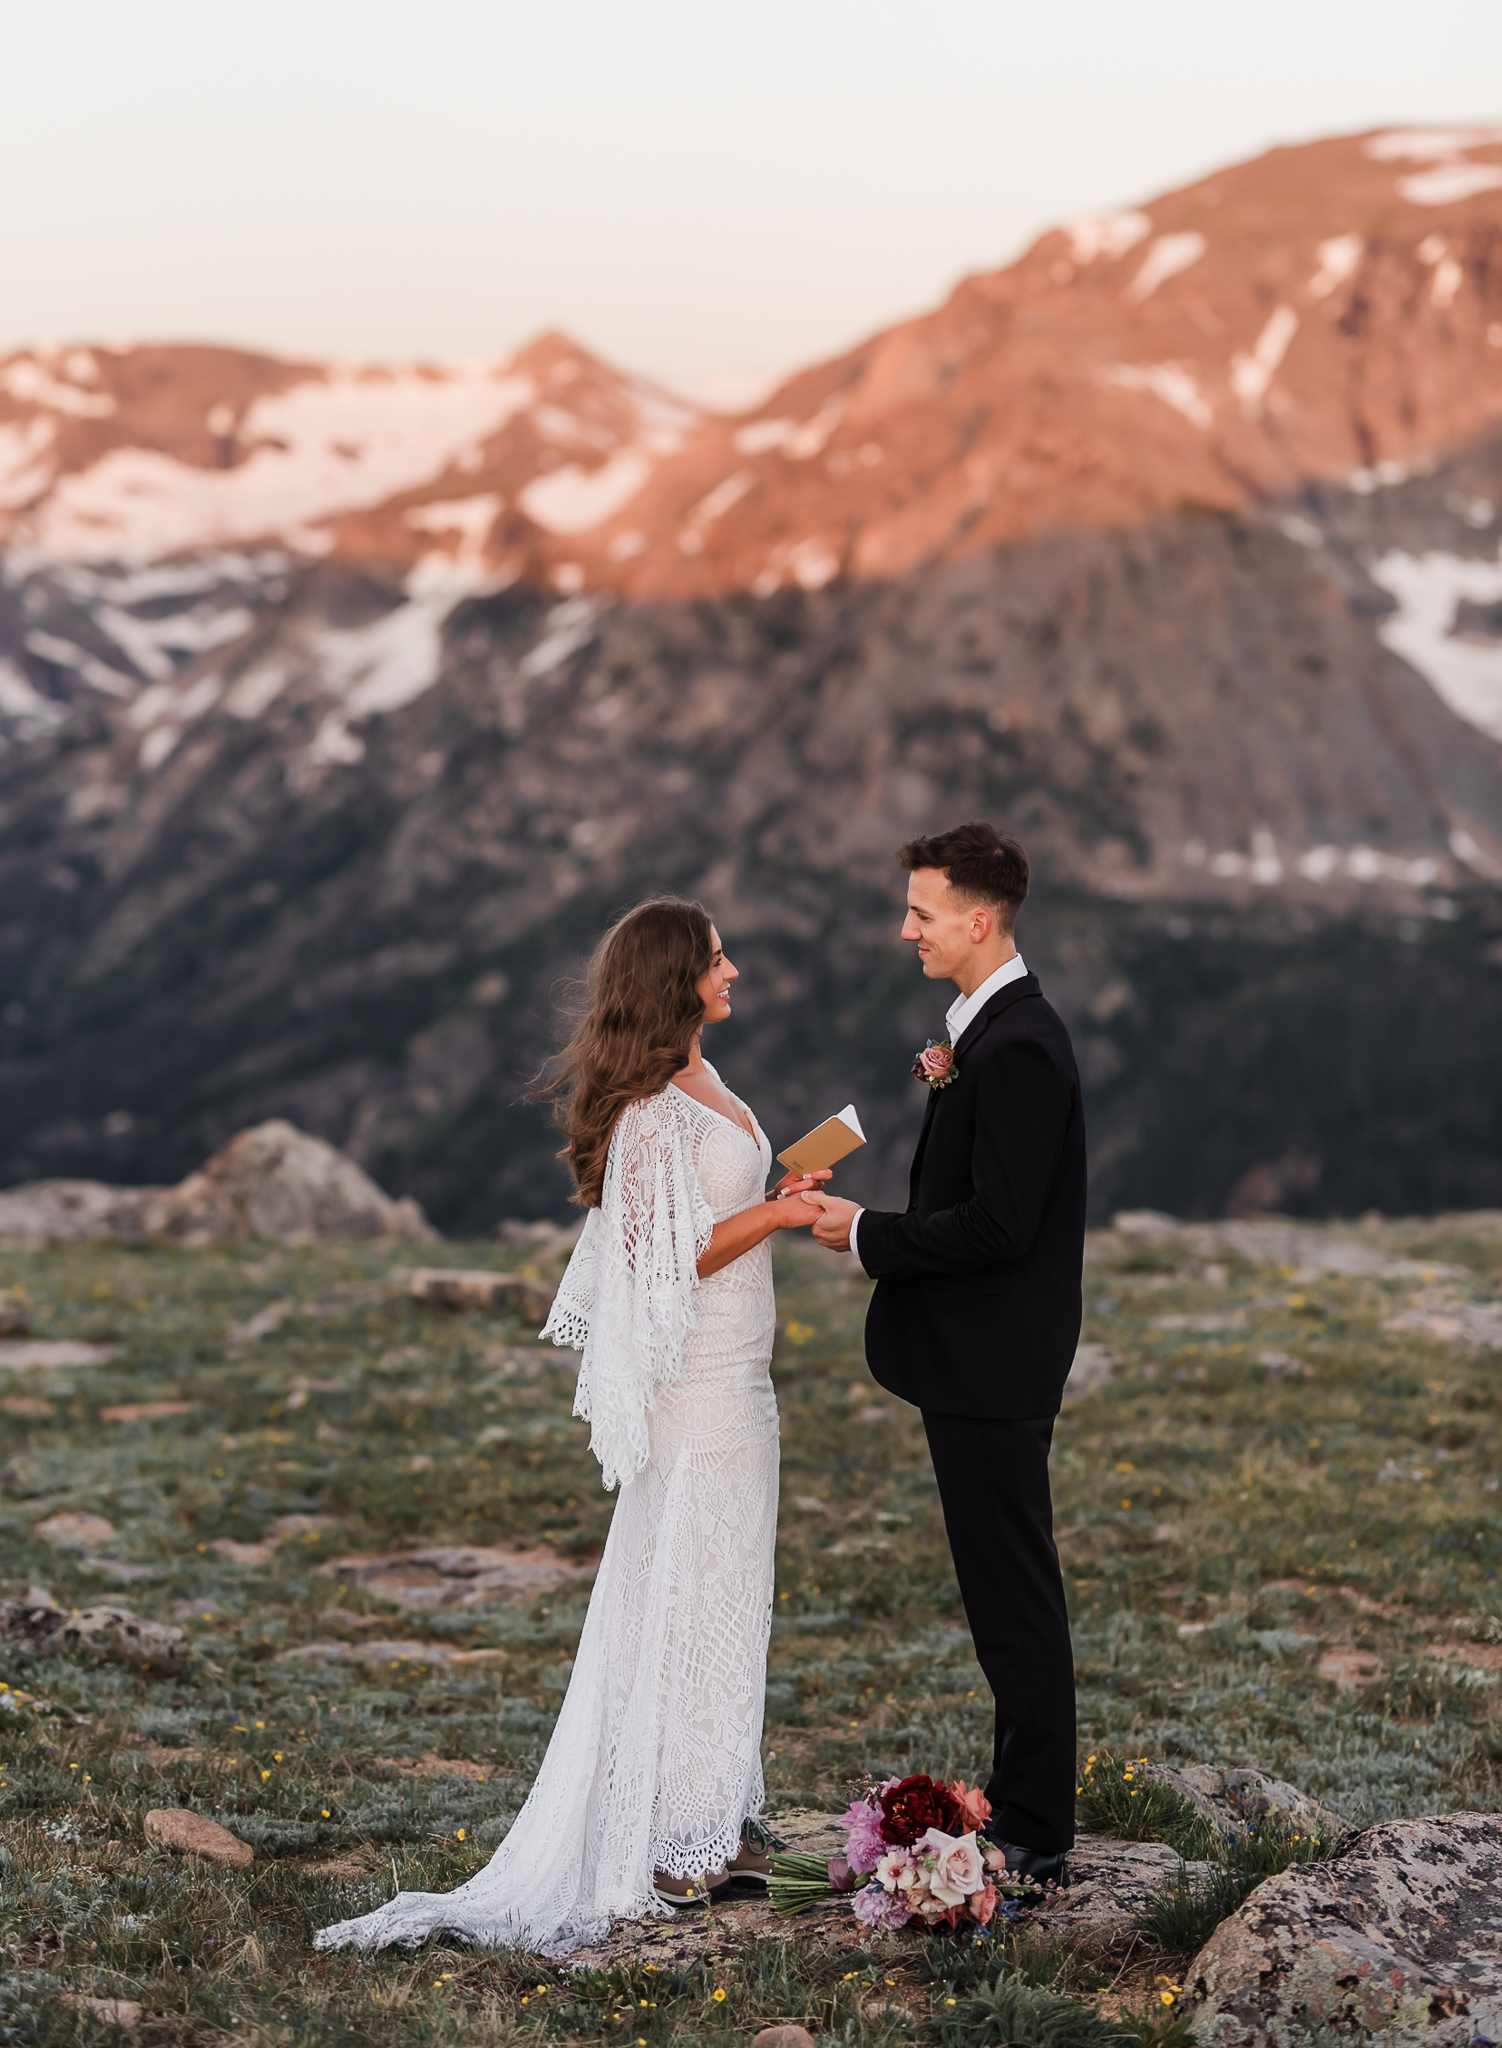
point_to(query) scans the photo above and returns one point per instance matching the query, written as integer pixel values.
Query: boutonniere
(935, 1064)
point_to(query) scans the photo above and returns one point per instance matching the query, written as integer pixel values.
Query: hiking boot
(750, 1868)
(690, 1891)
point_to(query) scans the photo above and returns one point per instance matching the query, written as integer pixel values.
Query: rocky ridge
(342, 706)
(1331, 311)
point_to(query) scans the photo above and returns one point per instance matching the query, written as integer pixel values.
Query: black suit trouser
(993, 1483)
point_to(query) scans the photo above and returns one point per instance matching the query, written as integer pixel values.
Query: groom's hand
(832, 1228)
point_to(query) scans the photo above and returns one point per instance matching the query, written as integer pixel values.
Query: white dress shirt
(961, 1013)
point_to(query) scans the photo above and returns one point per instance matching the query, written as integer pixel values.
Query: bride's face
(714, 987)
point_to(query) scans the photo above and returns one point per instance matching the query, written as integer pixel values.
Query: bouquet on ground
(915, 1851)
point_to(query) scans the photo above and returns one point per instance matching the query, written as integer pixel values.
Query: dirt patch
(1350, 1668)
(430, 1766)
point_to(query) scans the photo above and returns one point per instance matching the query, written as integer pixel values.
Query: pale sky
(705, 192)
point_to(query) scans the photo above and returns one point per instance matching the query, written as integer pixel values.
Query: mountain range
(342, 703)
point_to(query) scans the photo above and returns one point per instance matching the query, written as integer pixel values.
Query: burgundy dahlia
(913, 1806)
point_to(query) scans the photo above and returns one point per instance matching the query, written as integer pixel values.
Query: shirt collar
(964, 1010)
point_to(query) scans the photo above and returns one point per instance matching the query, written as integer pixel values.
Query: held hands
(832, 1224)
(794, 1196)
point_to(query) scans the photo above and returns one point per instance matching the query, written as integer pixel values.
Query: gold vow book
(828, 1142)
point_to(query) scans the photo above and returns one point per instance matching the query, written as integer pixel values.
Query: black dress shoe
(1038, 1866)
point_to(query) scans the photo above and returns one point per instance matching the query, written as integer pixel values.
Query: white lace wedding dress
(656, 1759)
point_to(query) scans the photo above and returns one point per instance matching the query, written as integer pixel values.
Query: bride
(649, 1794)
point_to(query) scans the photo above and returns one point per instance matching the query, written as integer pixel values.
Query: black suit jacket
(977, 1305)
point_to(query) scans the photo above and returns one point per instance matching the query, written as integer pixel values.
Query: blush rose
(958, 1868)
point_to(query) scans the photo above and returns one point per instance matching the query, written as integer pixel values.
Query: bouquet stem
(800, 1881)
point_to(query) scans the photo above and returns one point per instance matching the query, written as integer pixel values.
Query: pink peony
(958, 1868)
(867, 1843)
(884, 1912)
(975, 1807)
(841, 1876)
(983, 1904)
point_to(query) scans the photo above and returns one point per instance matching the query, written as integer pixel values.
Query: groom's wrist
(854, 1228)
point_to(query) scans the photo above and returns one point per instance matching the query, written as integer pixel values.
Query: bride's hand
(792, 1212)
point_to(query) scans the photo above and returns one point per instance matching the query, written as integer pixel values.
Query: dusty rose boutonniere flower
(935, 1064)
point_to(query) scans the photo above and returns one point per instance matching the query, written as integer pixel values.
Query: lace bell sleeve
(629, 1305)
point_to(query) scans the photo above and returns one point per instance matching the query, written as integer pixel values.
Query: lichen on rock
(1399, 1936)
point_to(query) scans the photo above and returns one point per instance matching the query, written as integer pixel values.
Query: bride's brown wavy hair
(640, 1012)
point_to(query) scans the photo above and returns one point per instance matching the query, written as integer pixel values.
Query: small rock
(50, 1212)
(783, 2037)
(454, 1287)
(145, 1411)
(1111, 1884)
(1093, 1366)
(287, 1528)
(1451, 1319)
(243, 1553)
(31, 1406)
(1400, 1936)
(49, 1631)
(48, 1354)
(458, 1575)
(74, 1532)
(431, 1765)
(117, 1568)
(111, 2012)
(1230, 1799)
(386, 1653)
(178, 1827)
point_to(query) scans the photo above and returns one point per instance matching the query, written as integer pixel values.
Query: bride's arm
(783, 1210)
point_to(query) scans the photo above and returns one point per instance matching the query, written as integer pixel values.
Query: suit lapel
(917, 1165)
(969, 1038)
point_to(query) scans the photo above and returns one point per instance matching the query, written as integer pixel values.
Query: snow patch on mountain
(1338, 258)
(1448, 626)
(27, 380)
(324, 446)
(573, 499)
(1175, 383)
(1252, 374)
(1169, 255)
(1429, 145)
(24, 467)
(1447, 184)
(1111, 235)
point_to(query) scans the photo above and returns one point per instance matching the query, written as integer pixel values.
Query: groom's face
(944, 927)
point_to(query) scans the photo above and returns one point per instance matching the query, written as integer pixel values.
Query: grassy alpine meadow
(1278, 1518)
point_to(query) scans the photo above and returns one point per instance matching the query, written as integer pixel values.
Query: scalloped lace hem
(407, 1920)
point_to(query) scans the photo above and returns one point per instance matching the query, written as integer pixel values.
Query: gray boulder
(47, 1212)
(275, 1181)
(48, 1631)
(1400, 1936)
(1233, 1799)
(272, 1181)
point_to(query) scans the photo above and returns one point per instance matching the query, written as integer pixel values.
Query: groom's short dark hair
(986, 865)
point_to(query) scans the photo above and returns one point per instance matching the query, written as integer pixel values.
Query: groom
(976, 1312)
